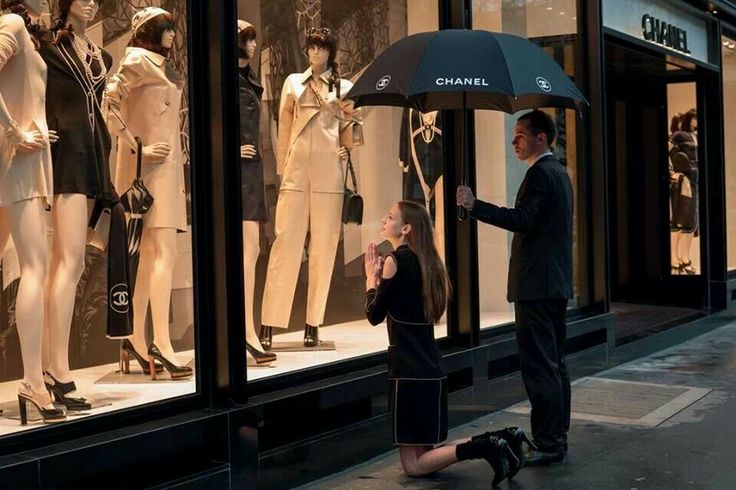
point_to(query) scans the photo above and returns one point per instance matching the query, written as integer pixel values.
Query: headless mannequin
(70, 218)
(25, 220)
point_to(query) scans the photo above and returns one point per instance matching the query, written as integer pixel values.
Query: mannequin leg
(29, 230)
(70, 218)
(162, 273)
(325, 224)
(284, 262)
(439, 217)
(4, 231)
(686, 241)
(251, 249)
(142, 294)
(675, 249)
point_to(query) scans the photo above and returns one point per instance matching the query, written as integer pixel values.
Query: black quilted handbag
(352, 203)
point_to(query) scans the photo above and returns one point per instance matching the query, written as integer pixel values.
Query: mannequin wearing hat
(143, 99)
(253, 192)
(77, 74)
(310, 160)
(26, 187)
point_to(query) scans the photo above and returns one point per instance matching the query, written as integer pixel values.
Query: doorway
(655, 253)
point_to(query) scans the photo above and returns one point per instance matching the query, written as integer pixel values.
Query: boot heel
(152, 367)
(23, 410)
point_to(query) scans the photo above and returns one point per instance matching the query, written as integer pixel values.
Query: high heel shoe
(260, 356)
(514, 437)
(492, 449)
(42, 402)
(687, 269)
(266, 337)
(126, 351)
(60, 390)
(175, 371)
(311, 336)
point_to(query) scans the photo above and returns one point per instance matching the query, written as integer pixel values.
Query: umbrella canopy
(465, 69)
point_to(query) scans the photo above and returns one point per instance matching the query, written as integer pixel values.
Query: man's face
(525, 143)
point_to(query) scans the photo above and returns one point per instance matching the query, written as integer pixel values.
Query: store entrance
(654, 238)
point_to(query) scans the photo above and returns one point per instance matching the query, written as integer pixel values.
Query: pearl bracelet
(14, 134)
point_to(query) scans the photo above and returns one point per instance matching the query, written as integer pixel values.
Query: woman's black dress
(418, 383)
(81, 156)
(251, 170)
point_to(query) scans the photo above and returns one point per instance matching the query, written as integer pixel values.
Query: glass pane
(552, 25)
(96, 293)
(302, 264)
(683, 172)
(728, 54)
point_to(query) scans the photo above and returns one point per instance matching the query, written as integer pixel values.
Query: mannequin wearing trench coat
(310, 197)
(143, 100)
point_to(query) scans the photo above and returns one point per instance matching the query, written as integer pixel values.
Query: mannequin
(143, 99)
(421, 157)
(77, 72)
(310, 162)
(26, 187)
(684, 193)
(255, 209)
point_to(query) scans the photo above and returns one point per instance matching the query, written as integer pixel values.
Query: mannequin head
(321, 47)
(533, 135)
(74, 13)
(246, 40)
(675, 123)
(156, 34)
(25, 9)
(690, 121)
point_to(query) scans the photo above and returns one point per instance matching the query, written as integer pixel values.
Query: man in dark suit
(540, 279)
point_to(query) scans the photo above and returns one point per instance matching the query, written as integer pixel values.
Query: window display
(728, 59)
(551, 24)
(303, 264)
(104, 218)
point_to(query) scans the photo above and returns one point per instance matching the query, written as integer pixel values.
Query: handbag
(352, 203)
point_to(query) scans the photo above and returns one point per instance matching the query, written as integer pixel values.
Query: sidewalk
(663, 421)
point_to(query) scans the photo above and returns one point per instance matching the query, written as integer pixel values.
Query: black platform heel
(266, 337)
(42, 402)
(311, 336)
(127, 351)
(492, 449)
(260, 356)
(514, 451)
(175, 371)
(61, 390)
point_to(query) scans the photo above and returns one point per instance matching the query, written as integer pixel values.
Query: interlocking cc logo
(544, 84)
(383, 82)
(119, 300)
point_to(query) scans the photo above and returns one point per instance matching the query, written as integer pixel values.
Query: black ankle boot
(266, 337)
(490, 449)
(514, 436)
(311, 336)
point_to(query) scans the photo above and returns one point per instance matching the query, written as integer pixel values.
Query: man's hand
(465, 197)
(247, 152)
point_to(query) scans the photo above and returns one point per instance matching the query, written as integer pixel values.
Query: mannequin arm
(8, 48)
(129, 75)
(286, 119)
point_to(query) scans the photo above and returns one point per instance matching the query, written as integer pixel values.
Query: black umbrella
(465, 69)
(137, 200)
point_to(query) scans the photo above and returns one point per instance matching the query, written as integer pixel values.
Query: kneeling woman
(410, 288)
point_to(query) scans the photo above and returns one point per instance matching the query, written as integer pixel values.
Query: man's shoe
(535, 457)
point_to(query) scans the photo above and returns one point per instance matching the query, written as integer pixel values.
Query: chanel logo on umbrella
(383, 82)
(119, 298)
(544, 84)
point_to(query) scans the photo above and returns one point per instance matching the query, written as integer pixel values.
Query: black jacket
(541, 251)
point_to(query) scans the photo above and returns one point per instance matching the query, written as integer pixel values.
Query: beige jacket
(23, 88)
(144, 99)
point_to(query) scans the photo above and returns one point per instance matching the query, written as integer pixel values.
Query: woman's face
(318, 55)
(36, 7)
(84, 10)
(392, 224)
(167, 38)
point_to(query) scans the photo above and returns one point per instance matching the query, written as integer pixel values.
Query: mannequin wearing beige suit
(26, 188)
(310, 162)
(143, 99)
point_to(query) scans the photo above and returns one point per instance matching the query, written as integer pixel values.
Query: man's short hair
(540, 122)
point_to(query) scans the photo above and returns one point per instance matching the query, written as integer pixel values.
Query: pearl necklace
(87, 52)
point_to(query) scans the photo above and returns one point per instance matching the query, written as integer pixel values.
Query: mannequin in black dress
(410, 289)
(684, 191)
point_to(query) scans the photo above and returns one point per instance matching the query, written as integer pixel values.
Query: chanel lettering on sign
(663, 33)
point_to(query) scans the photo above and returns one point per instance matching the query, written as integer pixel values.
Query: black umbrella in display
(465, 69)
(137, 200)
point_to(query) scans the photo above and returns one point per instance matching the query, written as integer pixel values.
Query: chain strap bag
(352, 203)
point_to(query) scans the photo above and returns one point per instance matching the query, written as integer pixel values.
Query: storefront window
(304, 274)
(728, 56)
(94, 292)
(553, 25)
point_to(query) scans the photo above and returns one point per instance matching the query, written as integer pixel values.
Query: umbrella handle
(139, 156)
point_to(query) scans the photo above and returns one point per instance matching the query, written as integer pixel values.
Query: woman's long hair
(17, 7)
(687, 120)
(675, 123)
(436, 287)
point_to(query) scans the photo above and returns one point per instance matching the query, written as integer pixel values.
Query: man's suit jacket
(541, 251)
